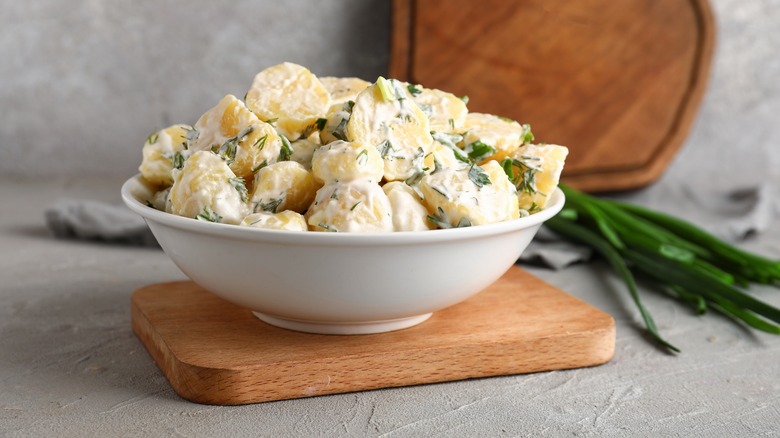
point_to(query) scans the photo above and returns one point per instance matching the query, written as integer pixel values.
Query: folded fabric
(93, 220)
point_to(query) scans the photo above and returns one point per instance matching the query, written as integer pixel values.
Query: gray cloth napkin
(730, 216)
(93, 220)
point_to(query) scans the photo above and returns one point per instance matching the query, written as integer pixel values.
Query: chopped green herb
(152, 139)
(334, 195)
(465, 99)
(228, 149)
(178, 160)
(436, 165)
(441, 221)
(270, 206)
(414, 90)
(507, 165)
(385, 89)
(442, 191)
(317, 125)
(259, 166)
(355, 206)
(340, 132)
(240, 186)
(272, 121)
(527, 136)
(478, 151)
(362, 157)
(478, 176)
(191, 134)
(385, 148)
(451, 141)
(452, 123)
(463, 222)
(208, 215)
(427, 109)
(414, 179)
(260, 143)
(525, 177)
(286, 151)
(327, 227)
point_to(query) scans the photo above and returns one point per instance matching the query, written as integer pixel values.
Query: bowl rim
(131, 188)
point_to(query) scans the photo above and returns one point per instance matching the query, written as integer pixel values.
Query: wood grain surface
(618, 82)
(215, 352)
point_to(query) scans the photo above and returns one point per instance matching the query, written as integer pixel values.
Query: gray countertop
(70, 364)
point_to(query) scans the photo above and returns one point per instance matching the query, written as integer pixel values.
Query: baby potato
(238, 136)
(290, 95)
(537, 171)
(336, 122)
(285, 185)
(446, 112)
(160, 200)
(344, 161)
(444, 156)
(287, 220)
(343, 89)
(206, 189)
(386, 117)
(409, 213)
(160, 152)
(303, 150)
(352, 206)
(501, 134)
(468, 196)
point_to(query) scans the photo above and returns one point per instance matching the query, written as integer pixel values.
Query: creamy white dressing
(459, 197)
(157, 156)
(409, 214)
(204, 182)
(287, 220)
(209, 125)
(352, 206)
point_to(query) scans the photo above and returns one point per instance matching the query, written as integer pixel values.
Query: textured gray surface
(94, 79)
(89, 79)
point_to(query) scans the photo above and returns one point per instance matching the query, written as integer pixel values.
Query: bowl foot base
(344, 328)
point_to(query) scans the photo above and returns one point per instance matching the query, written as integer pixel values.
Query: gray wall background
(84, 82)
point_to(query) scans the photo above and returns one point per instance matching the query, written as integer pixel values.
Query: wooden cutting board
(618, 82)
(215, 352)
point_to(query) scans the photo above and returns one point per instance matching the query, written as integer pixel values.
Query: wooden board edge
(166, 361)
(641, 176)
(596, 180)
(228, 386)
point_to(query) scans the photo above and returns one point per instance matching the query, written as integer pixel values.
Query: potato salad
(332, 154)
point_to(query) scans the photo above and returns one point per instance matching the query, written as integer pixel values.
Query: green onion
(690, 264)
(385, 89)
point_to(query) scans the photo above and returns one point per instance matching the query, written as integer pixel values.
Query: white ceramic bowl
(339, 283)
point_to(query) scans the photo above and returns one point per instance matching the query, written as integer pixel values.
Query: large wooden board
(214, 352)
(618, 82)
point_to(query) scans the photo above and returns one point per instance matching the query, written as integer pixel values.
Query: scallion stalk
(694, 266)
